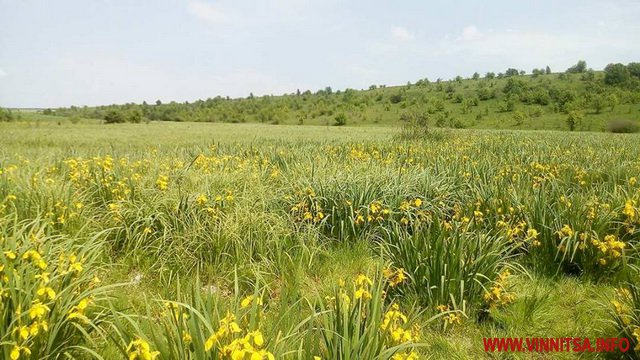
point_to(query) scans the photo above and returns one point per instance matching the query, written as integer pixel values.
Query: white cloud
(401, 33)
(470, 33)
(2, 73)
(208, 11)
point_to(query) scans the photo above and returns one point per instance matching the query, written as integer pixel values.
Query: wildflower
(362, 280)
(602, 261)
(566, 231)
(77, 311)
(162, 182)
(628, 210)
(46, 292)
(395, 277)
(632, 181)
(202, 199)
(362, 293)
(17, 349)
(74, 265)
(38, 310)
(617, 305)
(10, 255)
(636, 333)
(22, 331)
(247, 301)
(140, 349)
(417, 202)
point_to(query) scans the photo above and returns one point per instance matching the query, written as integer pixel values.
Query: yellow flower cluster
(452, 317)
(394, 277)
(309, 208)
(610, 249)
(497, 296)
(224, 340)
(139, 349)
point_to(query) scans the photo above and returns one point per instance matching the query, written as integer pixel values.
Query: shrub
(623, 126)
(340, 119)
(114, 117)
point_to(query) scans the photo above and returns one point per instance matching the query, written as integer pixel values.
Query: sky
(63, 52)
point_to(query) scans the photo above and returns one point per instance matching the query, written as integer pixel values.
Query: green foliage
(340, 119)
(114, 117)
(6, 115)
(578, 68)
(450, 265)
(616, 74)
(574, 119)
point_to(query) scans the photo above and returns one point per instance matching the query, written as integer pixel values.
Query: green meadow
(197, 240)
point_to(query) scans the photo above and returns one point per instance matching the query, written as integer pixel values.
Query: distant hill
(579, 98)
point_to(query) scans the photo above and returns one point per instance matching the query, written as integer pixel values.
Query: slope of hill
(578, 99)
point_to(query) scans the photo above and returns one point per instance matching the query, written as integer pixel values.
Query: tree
(573, 119)
(519, 117)
(490, 75)
(113, 117)
(616, 74)
(158, 102)
(6, 115)
(476, 76)
(341, 119)
(580, 67)
(511, 72)
(634, 69)
(548, 70)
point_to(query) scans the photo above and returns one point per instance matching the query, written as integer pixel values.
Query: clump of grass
(52, 300)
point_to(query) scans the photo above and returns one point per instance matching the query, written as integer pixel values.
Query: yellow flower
(46, 292)
(10, 255)
(202, 199)
(417, 202)
(363, 294)
(38, 310)
(140, 349)
(246, 302)
(16, 350)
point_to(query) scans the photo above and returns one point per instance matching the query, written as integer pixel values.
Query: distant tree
(522, 72)
(475, 76)
(616, 74)
(158, 102)
(511, 72)
(612, 101)
(490, 75)
(579, 67)
(47, 112)
(373, 87)
(340, 119)
(598, 102)
(396, 98)
(6, 115)
(574, 119)
(519, 117)
(458, 78)
(634, 69)
(548, 70)
(113, 117)
(328, 90)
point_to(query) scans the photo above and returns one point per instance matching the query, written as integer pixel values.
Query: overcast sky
(61, 53)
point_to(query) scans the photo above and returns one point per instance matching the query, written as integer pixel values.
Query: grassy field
(201, 241)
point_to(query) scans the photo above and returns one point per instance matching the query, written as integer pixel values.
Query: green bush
(623, 126)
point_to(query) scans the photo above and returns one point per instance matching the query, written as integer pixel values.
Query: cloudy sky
(61, 53)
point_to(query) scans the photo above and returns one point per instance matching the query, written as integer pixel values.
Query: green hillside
(579, 98)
